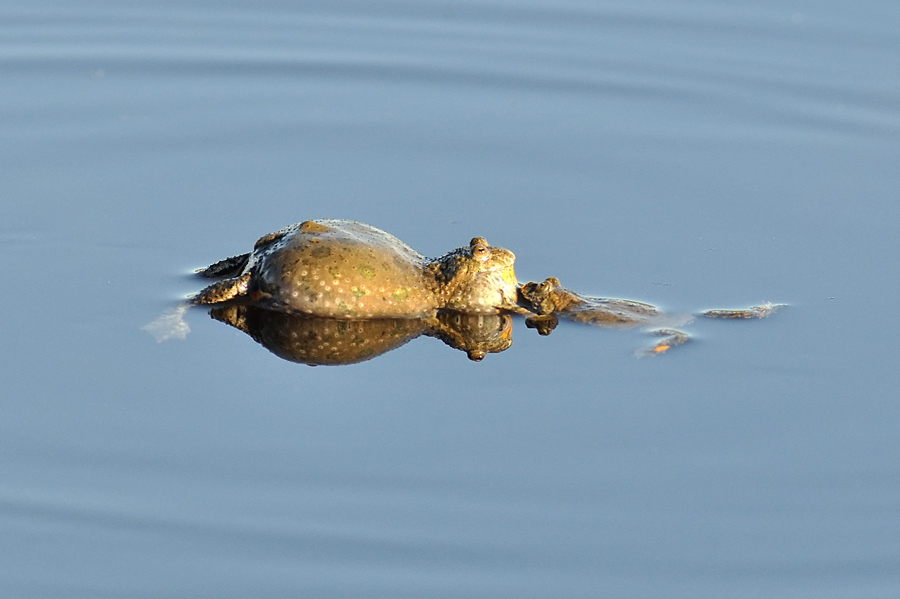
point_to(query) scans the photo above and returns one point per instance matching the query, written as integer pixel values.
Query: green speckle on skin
(367, 272)
(335, 272)
(401, 295)
(357, 292)
(321, 252)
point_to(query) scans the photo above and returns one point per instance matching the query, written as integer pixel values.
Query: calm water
(691, 154)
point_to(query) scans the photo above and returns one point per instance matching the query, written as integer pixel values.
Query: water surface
(693, 155)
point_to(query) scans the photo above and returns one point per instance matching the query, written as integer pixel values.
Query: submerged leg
(228, 267)
(222, 291)
(754, 312)
(670, 339)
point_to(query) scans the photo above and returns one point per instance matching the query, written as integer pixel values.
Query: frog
(346, 269)
(548, 300)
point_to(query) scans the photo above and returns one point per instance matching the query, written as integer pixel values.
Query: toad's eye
(480, 252)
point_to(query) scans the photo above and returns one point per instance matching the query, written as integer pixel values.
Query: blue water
(690, 154)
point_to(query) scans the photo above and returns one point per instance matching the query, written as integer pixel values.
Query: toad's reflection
(327, 341)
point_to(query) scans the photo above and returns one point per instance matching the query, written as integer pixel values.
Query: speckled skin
(350, 270)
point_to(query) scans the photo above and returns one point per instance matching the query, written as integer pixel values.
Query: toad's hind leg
(229, 267)
(670, 339)
(233, 266)
(223, 291)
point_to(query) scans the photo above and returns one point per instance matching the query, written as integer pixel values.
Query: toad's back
(343, 269)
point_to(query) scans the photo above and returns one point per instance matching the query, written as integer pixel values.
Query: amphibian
(549, 300)
(349, 270)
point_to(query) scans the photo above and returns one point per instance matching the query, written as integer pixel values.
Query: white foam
(170, 325)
